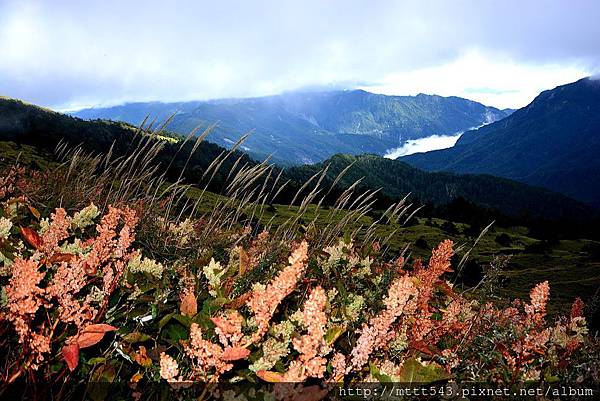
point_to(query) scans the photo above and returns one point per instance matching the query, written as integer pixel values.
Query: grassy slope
(396, 179)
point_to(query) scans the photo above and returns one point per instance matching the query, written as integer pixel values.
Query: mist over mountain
(553, 142)
(308, 127)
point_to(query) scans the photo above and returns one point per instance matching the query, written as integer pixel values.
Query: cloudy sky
(66, 54)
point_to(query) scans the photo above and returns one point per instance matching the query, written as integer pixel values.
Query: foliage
(114, 270)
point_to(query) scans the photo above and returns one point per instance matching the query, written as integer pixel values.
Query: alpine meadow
(299, 201)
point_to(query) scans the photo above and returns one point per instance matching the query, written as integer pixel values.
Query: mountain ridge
(25, 124)
(308, 127)
(553, 142)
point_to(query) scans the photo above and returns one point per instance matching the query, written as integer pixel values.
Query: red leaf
(34, 211)
(61, 257)
(245, 262)
(70, 354)
(92, 334)
(239, 301)
(90, 271)
(423, 347)
(234, 353)
(447, 289)
(269, 376)
(32, 237)
(142, 358)
(189, 304)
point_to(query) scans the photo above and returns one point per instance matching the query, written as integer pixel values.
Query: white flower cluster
(355, 305)
(75, 248)
(5, 226)
(213, 273)
(183, 231)
(44, 225)
(336, 254)
(275, 347)
(85, 217)
(145, 265)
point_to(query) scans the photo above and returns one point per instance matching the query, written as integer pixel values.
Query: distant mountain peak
(303, 126)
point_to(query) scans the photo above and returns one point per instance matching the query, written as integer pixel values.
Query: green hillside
(23, 124)
(396, 179)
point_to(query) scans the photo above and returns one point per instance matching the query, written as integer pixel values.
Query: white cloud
(491, 79)
(70, 52)
(426, 144)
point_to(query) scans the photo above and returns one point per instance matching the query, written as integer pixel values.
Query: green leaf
(95, 361)
(414, 371)
(334, 333)
(175, 332)
(218, 302)
(136, 337)
(203, 320)
(548, 377)
(184, 320)
(165, 320)
(97, 388)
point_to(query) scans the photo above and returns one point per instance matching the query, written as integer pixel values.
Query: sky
(71, 54)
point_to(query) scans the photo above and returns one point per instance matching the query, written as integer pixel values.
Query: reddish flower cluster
(311, 346)
(206, 356)
(229, 328)
(8, 181)
(264, 301)
(255, 253)
(24, 298)
(67, 275)
(169, 369)
(378, 331)
(536, 309)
